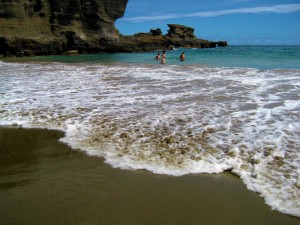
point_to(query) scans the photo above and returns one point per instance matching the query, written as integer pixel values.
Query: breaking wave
(171, 120)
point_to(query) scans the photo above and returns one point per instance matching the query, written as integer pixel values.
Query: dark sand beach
(43, 181)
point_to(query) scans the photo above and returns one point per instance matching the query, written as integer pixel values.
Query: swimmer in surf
(182, 57)
(157, 57)
(163, 58)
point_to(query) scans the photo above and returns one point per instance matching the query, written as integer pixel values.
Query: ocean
(224, 109)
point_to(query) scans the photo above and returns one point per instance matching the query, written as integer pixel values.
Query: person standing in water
(163, 58)
(182, 57)
(157, 57)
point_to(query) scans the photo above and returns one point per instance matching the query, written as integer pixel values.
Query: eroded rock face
(24, 18)
(38, 17)
(86, 17)
(82, 22)
(178, 31)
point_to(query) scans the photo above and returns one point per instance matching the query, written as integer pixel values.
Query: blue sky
(236, 21)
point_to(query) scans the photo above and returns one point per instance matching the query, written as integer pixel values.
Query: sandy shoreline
(43, 181)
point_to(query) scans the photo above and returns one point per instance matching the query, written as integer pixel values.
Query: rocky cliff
(42, 27)
(55, 26)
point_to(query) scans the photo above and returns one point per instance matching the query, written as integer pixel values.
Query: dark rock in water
(222, 43)
(44, 27)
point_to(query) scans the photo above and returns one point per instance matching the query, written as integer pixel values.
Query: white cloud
(289, 8)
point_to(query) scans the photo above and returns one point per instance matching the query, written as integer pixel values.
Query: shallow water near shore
(259, 57)
(43, 181)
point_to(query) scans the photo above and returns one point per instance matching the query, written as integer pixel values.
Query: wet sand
(43, 181)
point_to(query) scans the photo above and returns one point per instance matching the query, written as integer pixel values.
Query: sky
(240, 22)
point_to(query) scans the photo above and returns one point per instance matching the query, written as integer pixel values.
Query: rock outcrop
(177, 36)
(43, 27)
(181, 32)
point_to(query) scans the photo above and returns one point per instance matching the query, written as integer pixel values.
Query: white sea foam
(171, 120)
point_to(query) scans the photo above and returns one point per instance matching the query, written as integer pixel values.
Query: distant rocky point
(177, 36)
(53, 27)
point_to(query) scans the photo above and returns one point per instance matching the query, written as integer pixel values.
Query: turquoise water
(260, 57)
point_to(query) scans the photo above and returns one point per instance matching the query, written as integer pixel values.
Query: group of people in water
(162, 57)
